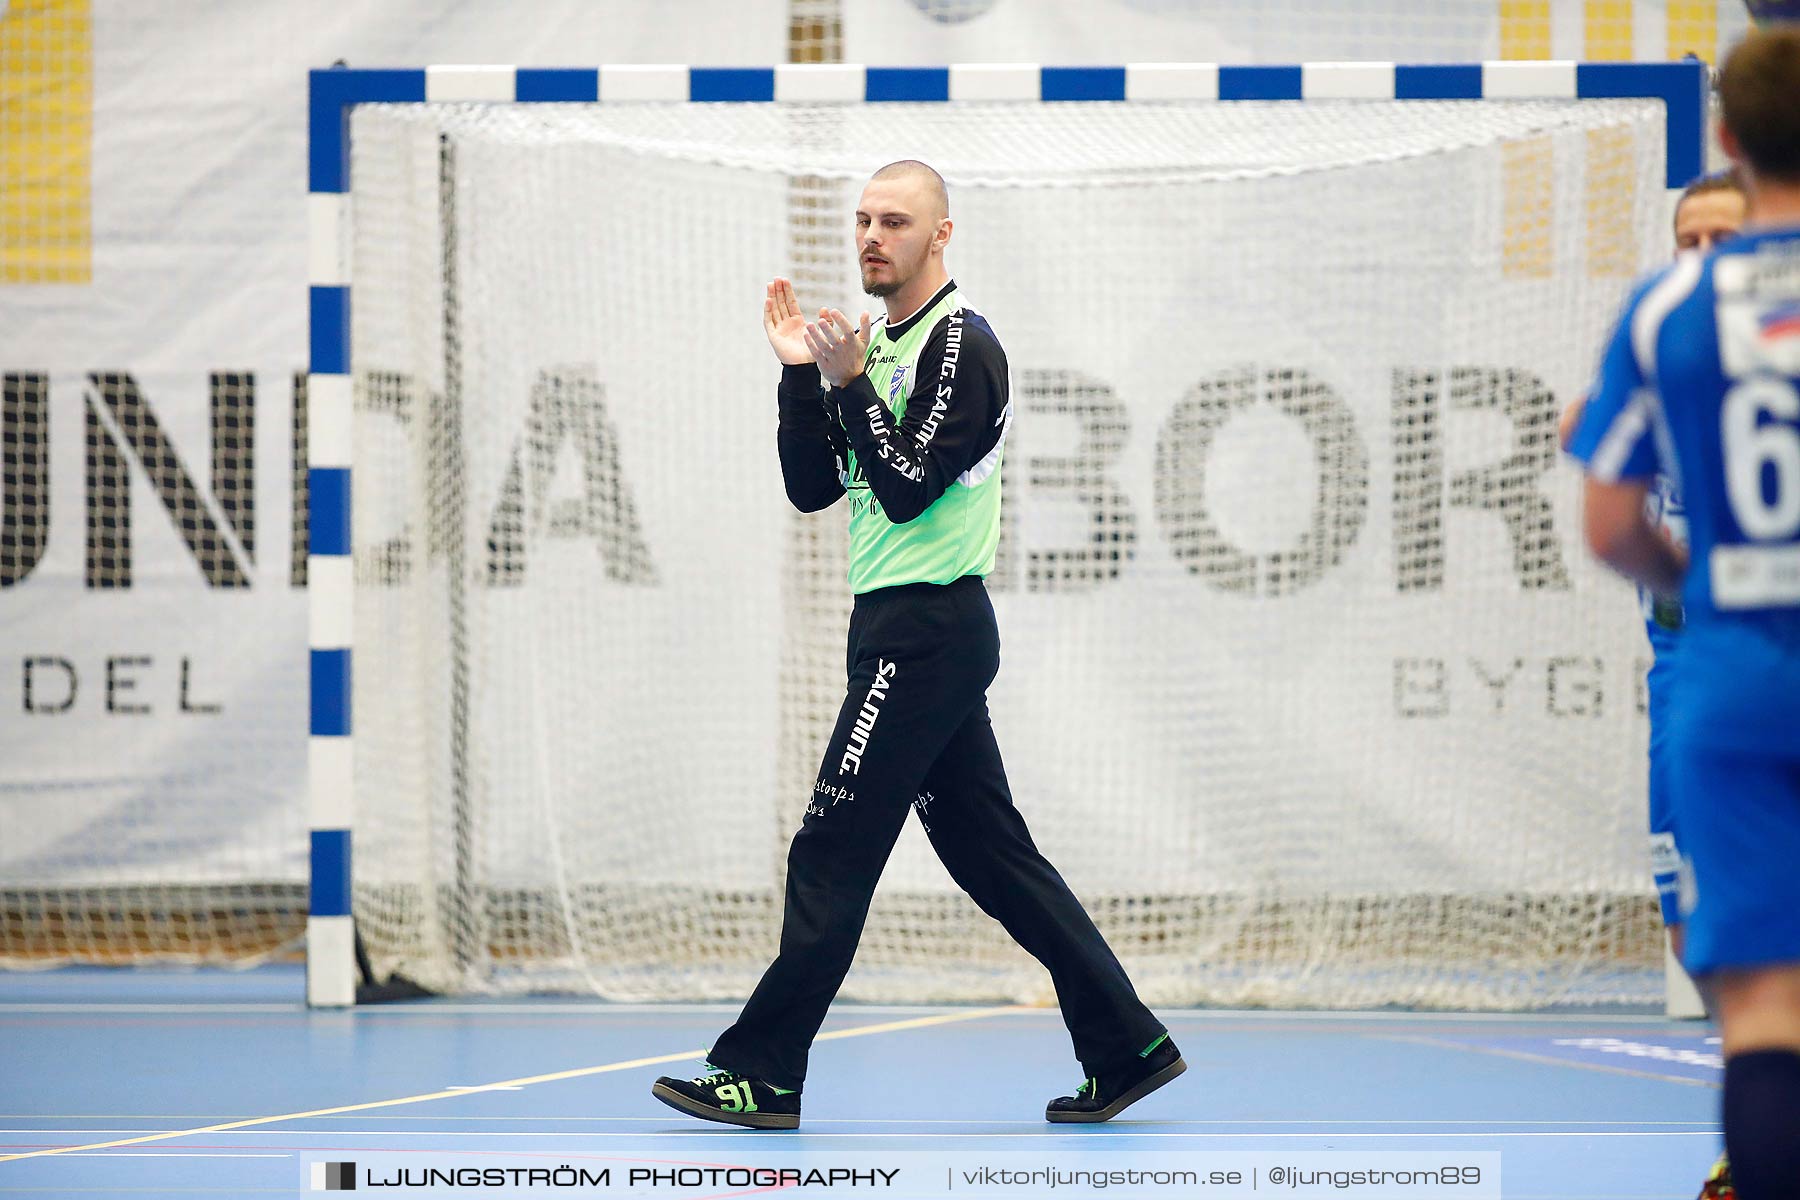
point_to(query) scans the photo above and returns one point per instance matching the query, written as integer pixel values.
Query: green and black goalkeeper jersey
(915, 440)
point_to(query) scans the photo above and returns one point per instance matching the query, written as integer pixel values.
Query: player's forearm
(1645, 557)
(1620, 537)
(900, 475)
(810, 475)
(955, 416)
(808, 441)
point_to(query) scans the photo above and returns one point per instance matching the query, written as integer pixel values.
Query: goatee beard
(880, 289)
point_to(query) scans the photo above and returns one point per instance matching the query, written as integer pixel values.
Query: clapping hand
(784, 325)
(837, 346)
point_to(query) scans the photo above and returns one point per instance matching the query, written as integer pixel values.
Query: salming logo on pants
(858, 740)
(914, 724)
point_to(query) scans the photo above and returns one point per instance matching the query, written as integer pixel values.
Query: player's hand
(837, 346)
(784, 324)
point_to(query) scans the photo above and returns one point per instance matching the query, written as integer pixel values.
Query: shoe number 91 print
(735, 1097)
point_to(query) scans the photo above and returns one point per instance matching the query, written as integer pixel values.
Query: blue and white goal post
(332, 448)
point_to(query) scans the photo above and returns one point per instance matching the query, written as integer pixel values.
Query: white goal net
(1307, 684)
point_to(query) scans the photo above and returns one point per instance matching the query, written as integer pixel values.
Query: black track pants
(914, 729)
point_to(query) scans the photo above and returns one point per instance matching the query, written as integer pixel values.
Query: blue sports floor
(169, 1083)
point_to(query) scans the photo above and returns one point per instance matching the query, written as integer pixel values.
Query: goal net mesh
(1307, 684)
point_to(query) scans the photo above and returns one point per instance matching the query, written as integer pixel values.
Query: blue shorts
(1665, 853)
(1740, 837)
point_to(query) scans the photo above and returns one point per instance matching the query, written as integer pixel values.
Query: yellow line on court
(921, 1022)
(972, 1014)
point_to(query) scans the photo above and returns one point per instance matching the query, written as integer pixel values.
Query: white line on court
(1118, 1133)
(1547, 1060)
(428, 1007)
(1424, 1019)
(969, 1014)
(58, 1009)
(174, 1154)
(841, 1121)
(599, 1008)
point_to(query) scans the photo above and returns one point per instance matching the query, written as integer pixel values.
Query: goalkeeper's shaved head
(902, 226)
(937, 196)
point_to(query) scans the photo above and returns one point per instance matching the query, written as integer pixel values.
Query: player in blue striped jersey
(1702, 381)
